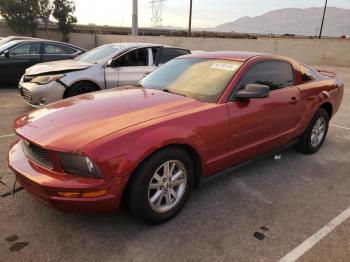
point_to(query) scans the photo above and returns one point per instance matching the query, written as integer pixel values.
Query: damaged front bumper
(39, 95)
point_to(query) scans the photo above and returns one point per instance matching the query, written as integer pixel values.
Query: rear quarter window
(307, 74)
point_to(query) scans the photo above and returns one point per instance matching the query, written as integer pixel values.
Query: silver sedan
(107, 66)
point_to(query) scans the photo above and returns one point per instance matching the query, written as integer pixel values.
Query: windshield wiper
(172, 92)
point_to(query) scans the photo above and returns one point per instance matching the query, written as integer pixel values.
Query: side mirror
(112, 63)
(109, 63)
(253, 91)
(7, 53)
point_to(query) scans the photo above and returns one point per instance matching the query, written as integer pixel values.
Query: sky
(206, 13)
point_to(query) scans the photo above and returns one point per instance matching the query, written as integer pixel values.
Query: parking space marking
(9, 135)
(300, 250)
(343, 127)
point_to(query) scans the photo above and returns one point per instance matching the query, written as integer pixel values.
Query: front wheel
(315, 134)
(81, 88)
(161, 185)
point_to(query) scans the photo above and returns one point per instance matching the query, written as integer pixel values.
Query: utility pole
(190, 20)
(135, 28)
(324, 12)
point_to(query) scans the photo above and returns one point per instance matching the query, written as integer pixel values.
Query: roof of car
(134, 45)
(30, 39)
(234, 55)
(15, 37)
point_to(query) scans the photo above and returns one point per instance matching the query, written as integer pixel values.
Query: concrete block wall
(334, 52)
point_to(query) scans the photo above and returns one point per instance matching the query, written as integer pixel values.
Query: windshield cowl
(173, 92)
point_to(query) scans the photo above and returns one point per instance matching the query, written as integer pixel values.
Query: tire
(145, 186)
(81, 88)
(309, 144)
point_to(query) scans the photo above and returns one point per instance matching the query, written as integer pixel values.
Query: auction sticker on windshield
(225, 66)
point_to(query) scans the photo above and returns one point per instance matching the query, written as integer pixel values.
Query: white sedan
(107, 66)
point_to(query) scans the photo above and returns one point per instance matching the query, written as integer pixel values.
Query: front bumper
(39, 95)
(44, 184)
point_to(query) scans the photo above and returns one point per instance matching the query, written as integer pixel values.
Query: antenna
(157, 9)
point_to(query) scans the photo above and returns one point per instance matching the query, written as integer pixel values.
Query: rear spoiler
(326, 72)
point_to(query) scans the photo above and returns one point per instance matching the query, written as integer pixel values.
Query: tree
(64, 13)
(20, 15)
(45, 11)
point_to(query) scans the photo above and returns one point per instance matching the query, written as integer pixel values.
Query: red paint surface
(118, 129)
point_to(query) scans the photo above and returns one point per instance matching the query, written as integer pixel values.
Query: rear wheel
(315, 134)
(81, 88)
(161, 185)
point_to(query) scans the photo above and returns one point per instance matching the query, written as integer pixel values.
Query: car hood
(57, 67)
(72, 123)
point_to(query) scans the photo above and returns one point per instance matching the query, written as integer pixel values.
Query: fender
(312, 104)
(150, 142)
(140, 144)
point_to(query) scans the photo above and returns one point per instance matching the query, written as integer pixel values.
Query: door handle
(294, 100)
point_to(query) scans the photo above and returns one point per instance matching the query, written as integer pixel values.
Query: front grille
(27, 95)
(28, 78)
(36, 153)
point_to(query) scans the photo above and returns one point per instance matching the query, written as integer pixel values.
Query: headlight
(42, 80)
(79, 165)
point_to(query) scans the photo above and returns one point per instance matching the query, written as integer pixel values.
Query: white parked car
(107, 66)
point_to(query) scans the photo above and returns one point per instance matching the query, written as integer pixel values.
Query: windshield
(97, 55)
(200, 79)
(7, 45)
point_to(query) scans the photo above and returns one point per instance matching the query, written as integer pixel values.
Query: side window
(55, 49)
(137, 57)
(307, 74)
(170, 53)
(275, 74)
(26, 49)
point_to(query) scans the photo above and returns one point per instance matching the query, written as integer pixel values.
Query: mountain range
(292, 21)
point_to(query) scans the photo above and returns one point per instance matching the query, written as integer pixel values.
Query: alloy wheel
(318, 132)
(167, 186)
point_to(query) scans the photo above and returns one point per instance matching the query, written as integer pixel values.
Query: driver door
(129, 68)
(259, 125)
(20, 58)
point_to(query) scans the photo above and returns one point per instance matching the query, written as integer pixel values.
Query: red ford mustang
(195, 116)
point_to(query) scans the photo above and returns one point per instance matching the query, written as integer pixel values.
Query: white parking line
(300, 250)
(343, 127)
(9, 135)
